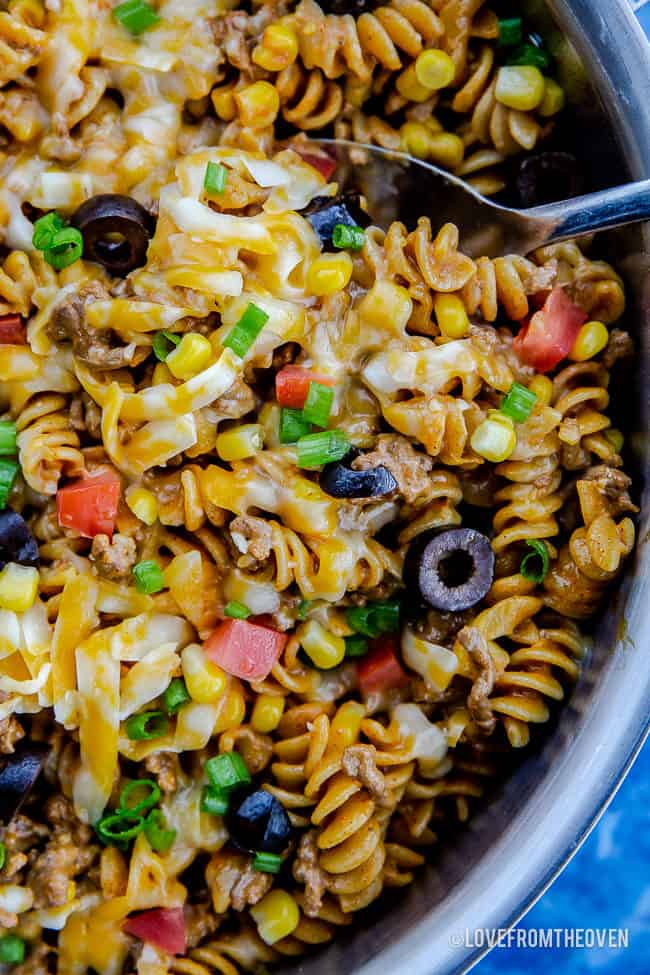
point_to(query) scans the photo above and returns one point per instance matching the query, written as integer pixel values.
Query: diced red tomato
(162, 926)
(551, 332)
(245, 649)
(89, 505)
(320, 161)
(12, 330)
(292, 385)
(380, 669)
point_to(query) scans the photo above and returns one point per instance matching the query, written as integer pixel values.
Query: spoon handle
(595, 211)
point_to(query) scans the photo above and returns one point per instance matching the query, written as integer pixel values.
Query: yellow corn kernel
(324, 649)
(616, 439)
(223, 100)
(240, 442)
(520, 86)
(277, 49)
(542, 387)
(205, 681)
(18, 587)
(446, 150)
(451, 316)
(553, 100)
(143, 504)
(269, 417)
(161, 374)
(267, 713)
(258, 104)
(495, 438)
(190, 357)
(433, 124)
(276, 916)
(386, 303)
(416, 139)
(434, 69)
(233, 709)
(592, 339)
(329, 273)
(410, 88)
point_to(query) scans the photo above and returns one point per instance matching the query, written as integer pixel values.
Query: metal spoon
(399, 187)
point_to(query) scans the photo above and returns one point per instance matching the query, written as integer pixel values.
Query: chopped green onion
(147, 726)
(3, 855)
(373, 619)
(176, 696)
(355, 646)
(293, 425)
(317, 449)
(227, 772)
(518, 403)
(12, 949)
(237, 611)
(150, 799)
(529, 54)
(243, 334)
(535, 565)
(45, 229)
(8, 446)
(8, 472)
(303, 609)
(348, 238)
(160, 839)
(65, 248)
(510, 31)
(215, 178)
(267, 862)
(135, 15)
(118, 829)
(148, 577)
(214, 802)
(318, 404)
(163, 343)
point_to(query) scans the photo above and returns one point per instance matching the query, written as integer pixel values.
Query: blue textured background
(607, 884)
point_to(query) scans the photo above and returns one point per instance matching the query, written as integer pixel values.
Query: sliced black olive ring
(339, 480)
(452, 570)
(17, 777)
(115, 230)
(325, 212)
(17, 544)
(259, 823)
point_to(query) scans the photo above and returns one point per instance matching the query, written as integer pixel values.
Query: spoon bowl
(400, 187)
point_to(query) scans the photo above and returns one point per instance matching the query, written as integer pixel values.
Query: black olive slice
(547, 177)
(116, 231)
(452, 570)
(340, 481)
(259, 824)
(17, 777)
(354, 7)
(324, 212)
(17, 544)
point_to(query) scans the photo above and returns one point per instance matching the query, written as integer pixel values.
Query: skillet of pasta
(301, 517)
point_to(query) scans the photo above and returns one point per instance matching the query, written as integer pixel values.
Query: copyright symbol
(456, 940)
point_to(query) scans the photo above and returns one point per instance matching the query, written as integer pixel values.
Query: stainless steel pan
(510, 853)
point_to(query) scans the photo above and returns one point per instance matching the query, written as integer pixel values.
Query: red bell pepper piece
(89, 505)
(12, 330)
(551, 332)
(380, 669)
(162, 926)
(245, 649)
(320, 161)
(292, 385)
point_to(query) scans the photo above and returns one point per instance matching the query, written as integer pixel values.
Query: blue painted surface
(607, 885)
